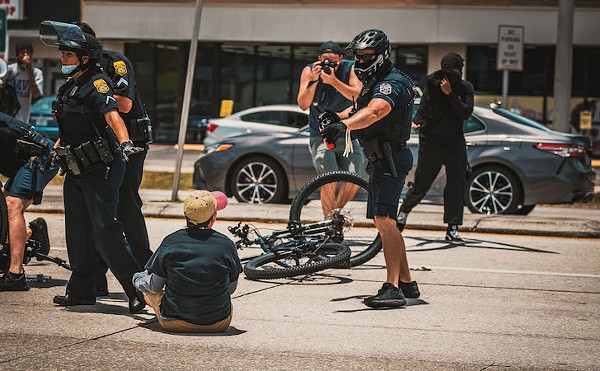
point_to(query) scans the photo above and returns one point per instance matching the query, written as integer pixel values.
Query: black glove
(129, 149)
(50, 160)
(327, 118)
(332, 132)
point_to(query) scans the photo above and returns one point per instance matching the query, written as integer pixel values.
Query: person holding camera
(129, 211)
(92, 150)
(382, 125)
(330, 84)
(446, 103)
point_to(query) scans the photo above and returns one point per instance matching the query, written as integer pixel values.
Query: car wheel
(258, 180)
(493, 190)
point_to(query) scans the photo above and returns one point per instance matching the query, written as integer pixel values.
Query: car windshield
(518, 118)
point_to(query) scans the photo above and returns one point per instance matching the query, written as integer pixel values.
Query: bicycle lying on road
(294, 251)
(32, 247)
(327, 228)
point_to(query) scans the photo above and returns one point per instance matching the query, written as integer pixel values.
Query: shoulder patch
(385, 88)
(101, 86)
(120, 67)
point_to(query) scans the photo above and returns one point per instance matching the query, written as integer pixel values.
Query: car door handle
(471, 144)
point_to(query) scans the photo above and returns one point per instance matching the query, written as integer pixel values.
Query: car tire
(258, 180)
(493, 190)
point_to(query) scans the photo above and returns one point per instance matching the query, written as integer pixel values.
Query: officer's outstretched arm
(376, 110)
(117, 125)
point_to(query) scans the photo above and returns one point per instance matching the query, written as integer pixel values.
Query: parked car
(42, 118)
(516, 163)
(282, 117)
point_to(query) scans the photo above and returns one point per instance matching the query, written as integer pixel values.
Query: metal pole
(505, 89)
(186, 99)
(563, 66)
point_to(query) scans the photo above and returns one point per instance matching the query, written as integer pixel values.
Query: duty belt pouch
(81, 157)
(140, 130)
(372, 150)
(37, 177)
(103, 150)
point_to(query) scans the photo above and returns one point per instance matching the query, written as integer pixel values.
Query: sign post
(510, 55)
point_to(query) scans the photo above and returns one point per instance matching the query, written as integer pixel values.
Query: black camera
(327, 65)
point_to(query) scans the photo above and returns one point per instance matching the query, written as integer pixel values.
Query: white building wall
(422, 25)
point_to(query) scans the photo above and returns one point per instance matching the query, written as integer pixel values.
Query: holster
(87, 156)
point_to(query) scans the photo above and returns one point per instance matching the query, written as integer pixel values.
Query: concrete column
(563, 66)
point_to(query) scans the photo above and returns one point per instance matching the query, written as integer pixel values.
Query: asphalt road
(501, 302)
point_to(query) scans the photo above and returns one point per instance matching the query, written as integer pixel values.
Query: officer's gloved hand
(129, 149)
(50, 160)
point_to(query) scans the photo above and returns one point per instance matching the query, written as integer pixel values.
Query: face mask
(67, 70)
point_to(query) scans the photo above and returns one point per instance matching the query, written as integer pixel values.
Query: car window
(43, 105)
(472, 124)
(297, 119)
(267, 117)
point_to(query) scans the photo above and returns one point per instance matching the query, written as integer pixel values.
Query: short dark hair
(199, 225)
(23, 45)
(85, 27)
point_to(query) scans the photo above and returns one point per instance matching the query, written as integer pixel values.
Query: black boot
(452, 235)
(137, 303)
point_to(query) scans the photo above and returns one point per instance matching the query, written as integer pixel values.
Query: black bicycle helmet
(370, 39)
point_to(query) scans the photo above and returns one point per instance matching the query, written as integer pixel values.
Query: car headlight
(218, 147)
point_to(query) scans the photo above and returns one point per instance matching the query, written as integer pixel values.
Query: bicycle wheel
(340, 194)
(288, 263)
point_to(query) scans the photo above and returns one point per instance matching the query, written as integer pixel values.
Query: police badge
(385, 88)
(101, 86)
(120, 68)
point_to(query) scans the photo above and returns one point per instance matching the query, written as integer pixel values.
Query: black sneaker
(401, 220)
(13, 282)
(453, 237)
(39, 232)
(388, 296)
(410, 290)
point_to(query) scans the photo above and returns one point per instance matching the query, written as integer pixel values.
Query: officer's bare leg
(394, 250)
(17, 231)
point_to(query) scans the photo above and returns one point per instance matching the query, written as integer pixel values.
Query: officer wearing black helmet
(129, 210)
(382, 125)
(92, 150)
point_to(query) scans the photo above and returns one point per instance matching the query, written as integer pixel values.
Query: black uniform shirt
(94, 91)
(120, 71)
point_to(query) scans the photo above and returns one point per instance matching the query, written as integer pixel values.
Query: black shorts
(385, 190)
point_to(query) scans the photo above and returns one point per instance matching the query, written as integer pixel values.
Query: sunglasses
(364, 57)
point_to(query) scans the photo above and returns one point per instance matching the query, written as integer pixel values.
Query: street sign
(13, 9)
(226, 108)
(510, 48)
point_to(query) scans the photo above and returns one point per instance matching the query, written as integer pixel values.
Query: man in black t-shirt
(198, 268)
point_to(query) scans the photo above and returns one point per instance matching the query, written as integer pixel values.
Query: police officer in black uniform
(129, 212)
(382, 125)
(92, 150)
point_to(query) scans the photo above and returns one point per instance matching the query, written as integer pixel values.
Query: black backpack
(9, 102)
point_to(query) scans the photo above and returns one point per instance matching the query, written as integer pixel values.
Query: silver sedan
(516, 163)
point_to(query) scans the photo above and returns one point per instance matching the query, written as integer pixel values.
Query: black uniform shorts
(385, 190)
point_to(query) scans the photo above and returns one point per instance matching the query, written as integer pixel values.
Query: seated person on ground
(198, 268)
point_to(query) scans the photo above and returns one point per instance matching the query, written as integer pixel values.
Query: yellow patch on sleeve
(101, 86)
(120, 68)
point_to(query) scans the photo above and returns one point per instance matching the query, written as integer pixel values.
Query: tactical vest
(395, 127)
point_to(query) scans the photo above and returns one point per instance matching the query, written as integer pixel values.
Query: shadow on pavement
(40, 281)
(155, 326)
(478, 244)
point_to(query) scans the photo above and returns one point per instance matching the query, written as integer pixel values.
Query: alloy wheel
(491, 192)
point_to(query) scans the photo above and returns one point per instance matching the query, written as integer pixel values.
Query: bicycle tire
(337, 255)
(307, 208)
(3, 220)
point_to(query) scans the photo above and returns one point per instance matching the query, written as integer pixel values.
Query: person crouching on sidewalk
(198, 268)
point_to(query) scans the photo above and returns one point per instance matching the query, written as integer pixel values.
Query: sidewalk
(558, 221)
